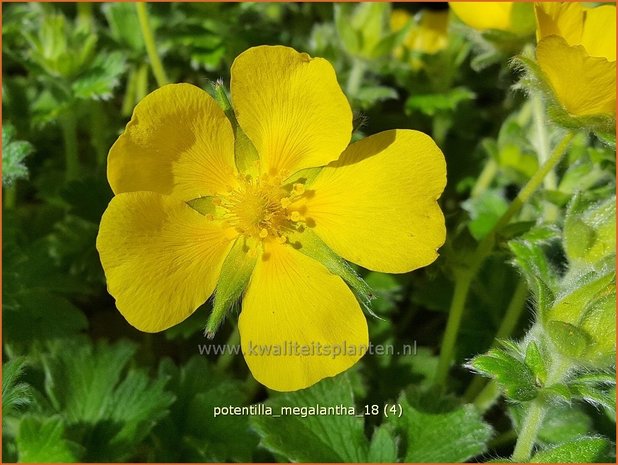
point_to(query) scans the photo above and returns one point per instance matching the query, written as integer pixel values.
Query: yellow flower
(372, 202)
(428, 34)
(576, 52)
(504, 16)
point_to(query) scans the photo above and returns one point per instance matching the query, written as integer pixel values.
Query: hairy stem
(529, 431)
(151, 48)
(550, 182)
(484, 248)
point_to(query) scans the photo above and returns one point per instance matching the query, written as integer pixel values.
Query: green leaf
(124, 25)
(15, 395)
(368, 96)
(514, 376)
(564, 422)
(535, 361)
(315, 438)
(348, 36)
(531, 260)
(99, 81)
(430, 104)
(485, 211)
(453, 436)
(40, 315)
(191, 432)
(14, 153)
(383, 447)
(582, 450)
(42, 440)
(115, 407)
(569, 339)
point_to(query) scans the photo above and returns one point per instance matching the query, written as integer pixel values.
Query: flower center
(261, 208)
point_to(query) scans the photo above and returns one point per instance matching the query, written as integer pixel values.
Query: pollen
(261, 208)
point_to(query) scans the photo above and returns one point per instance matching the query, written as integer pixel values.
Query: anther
(298, 188)
(285, 202)
(263, 233)
(295, 216)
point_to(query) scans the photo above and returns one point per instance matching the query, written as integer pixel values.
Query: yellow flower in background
(503, 16)
(576, 52)
(484, 15)
(373, 202)
(428, 34)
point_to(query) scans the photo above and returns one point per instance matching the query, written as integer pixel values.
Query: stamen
(298, 188)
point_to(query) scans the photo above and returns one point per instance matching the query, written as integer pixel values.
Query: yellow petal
(178, 142)
(484, 15)
(584, 85)
(293, 304)
(161, 258)
(599, 37)
(291, 107)
(564, 19)
(376, 206)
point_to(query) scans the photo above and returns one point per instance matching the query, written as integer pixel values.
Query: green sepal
(245, 154)
(305, 176)
(534, 359)
(235, 274)
(308, 243)
(203, 205)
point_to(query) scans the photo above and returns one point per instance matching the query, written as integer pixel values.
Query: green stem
(535, 181)
(355, 78)
(462, 286)
(488, 395)
(69, 136)
(502, 439)
(484, 248)
(550, 182)
(128, 102)
(475, 392)
(485, 178)
(529, 431)
(514, 310)
(536, 411)
(151, 48)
